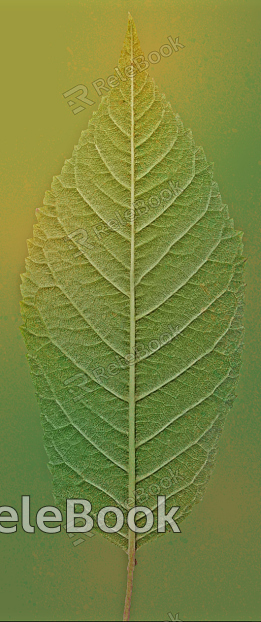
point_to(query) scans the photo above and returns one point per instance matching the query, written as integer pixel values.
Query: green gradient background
(211, 571)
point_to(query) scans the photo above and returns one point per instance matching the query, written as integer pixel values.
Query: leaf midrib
(132, 369)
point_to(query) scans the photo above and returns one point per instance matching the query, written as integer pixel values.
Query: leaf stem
(131, 565)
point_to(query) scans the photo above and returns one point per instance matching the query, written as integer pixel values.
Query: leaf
(132, 306)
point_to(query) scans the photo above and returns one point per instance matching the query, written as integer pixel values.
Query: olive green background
(211, 570)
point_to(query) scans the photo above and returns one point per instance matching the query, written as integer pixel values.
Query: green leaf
(134, 252)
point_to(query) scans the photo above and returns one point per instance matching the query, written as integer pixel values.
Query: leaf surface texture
(187, 288)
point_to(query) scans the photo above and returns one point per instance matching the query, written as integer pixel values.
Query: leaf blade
(171, 277)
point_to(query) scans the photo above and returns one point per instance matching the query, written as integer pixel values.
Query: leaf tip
(131, 25)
